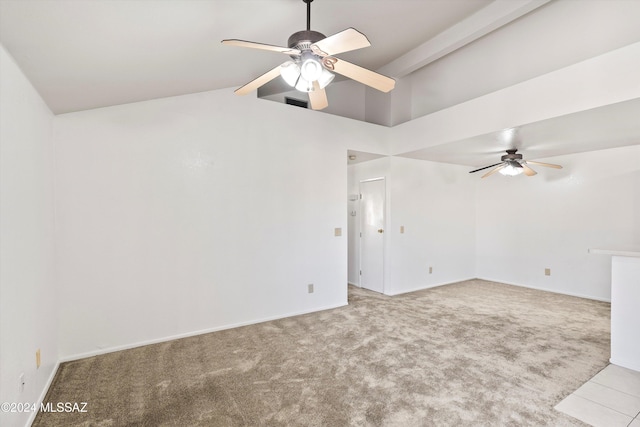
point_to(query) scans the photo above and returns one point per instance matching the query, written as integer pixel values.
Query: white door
(372, 193)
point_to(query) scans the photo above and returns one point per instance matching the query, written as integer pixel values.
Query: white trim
(615, 252)
(43, 394)
(555, 291)
(190, 334)
(626, 364)
(434, 285)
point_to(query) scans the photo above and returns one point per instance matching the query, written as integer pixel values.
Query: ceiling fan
(312, 62)
(513, 164)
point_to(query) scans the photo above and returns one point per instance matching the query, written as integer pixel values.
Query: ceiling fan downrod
(303, 40)
(308, 2)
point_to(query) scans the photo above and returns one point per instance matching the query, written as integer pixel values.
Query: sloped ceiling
(615, 125)
(84, 54)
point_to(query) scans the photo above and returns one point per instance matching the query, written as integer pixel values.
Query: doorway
(372, 208)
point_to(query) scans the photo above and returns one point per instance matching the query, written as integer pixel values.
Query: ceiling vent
(296, 102)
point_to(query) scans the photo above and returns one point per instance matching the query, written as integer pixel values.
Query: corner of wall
(28, 321)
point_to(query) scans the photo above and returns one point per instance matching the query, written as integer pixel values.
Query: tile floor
(610, 399)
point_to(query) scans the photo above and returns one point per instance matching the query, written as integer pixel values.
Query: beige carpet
(468, 354)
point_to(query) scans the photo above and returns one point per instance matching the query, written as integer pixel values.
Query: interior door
(372, 205)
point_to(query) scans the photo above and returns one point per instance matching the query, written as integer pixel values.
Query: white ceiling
(615, 125)
(83, 54)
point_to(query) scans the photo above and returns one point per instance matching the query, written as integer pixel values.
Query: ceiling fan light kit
(512, 168)
(301, 77)
(311, 69)
(312, 65)
(513, 164)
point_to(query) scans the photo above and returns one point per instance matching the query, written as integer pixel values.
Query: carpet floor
(474, 353)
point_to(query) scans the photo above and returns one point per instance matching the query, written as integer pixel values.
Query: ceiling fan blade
(548, 165)
(527, 170)
(318, 97)
(362, 75)
(492, 171)
(256, 83)
(344, 41)
(486, 167)
(254, 45)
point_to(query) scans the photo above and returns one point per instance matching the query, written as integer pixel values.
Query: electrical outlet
(38, 358)
(547, 272)
(22, 382)
(402, 229)
(430, 270)
(337, 232)
(310, 288)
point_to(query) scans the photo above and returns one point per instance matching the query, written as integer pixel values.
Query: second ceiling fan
(312, 62)
(513, 164)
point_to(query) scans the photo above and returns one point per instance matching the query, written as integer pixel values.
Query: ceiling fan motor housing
(302, 40)
(511, 156)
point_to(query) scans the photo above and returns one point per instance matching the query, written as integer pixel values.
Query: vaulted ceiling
(84, 54)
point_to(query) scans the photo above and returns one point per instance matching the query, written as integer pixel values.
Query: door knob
(380, 230)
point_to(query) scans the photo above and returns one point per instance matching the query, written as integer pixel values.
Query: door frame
(384, 227)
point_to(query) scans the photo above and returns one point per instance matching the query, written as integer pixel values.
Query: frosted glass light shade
(311, 69)
(303, 85)
(297, 76)
(512, 169)
(325, 78)
(290, 73)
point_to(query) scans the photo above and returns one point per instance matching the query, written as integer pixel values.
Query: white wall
(525, 225)
(196, 213)
(346, 99)
(502, 228)
(435, 203)
(28, 310)
(606, 79)
(556, 35)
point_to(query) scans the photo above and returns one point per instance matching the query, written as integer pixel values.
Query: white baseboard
(433, 285)
(555, 291)
(45, 390)
(633, 365)
(101, 351)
